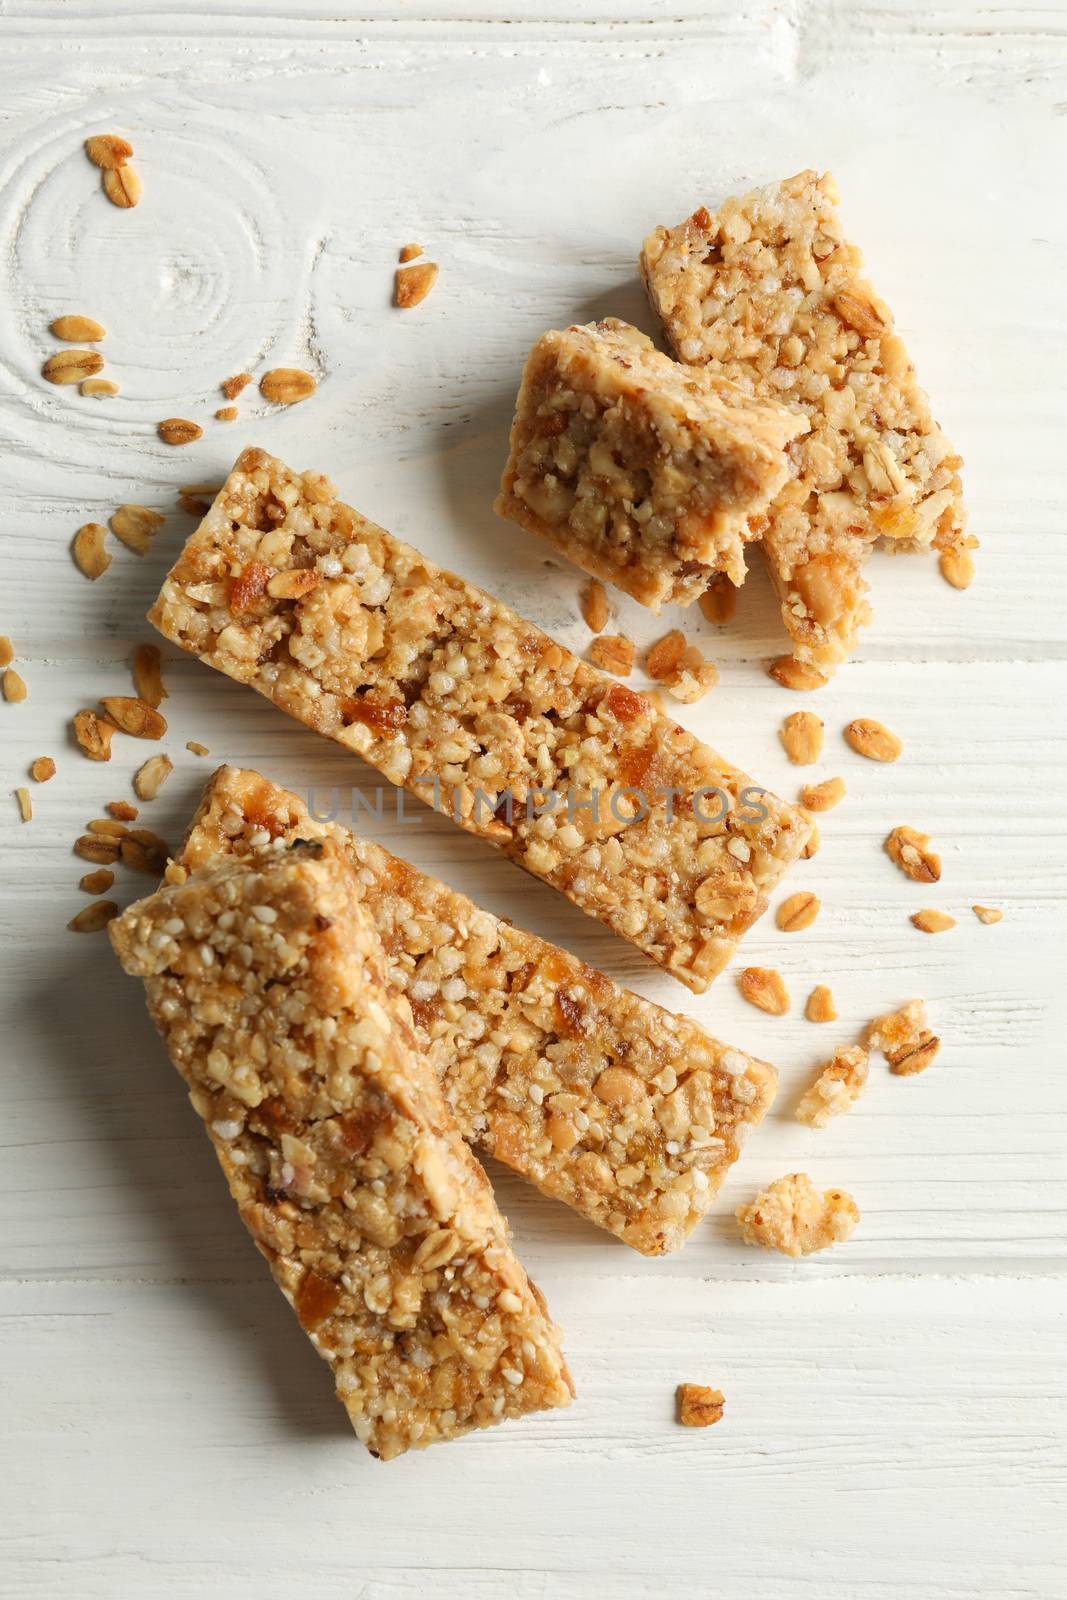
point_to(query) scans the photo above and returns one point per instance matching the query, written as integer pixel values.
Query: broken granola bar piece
(904, 1039)
(792, 1216)
(768, 292)
(453, 695)
(268, 983)
(639, 470)
(629, 1114)
(836, 1087)
(699, 1406)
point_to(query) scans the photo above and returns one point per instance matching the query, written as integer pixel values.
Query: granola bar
(768, 292)
(639, 470)
(627, 1113)
(267, 981)
(451, 694)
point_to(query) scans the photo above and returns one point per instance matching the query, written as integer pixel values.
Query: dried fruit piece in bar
(450, 693)
(768, 292)
(641, 471)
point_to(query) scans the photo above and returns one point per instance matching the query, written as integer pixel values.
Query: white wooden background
(893, 1406)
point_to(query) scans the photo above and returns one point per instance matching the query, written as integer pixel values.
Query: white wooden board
(894, 1407)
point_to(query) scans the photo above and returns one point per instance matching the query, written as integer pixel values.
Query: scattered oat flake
(413, 284)
(13, 685)
(123, 187)
(593, 604)
(232, 387)
(699, 1406)
(957, 568)
(904, 1039)
(226, 414)
(77, 330)
(836, 1087)
(792, 1216)
(71, 366)
(122, 810)
(94, 734)
(873, 740)
(909, 850)
(149, 779)
(134, 716)
(613, 652)
(823, 796)
(144, 851)
(197, 749)
(96, 882)
(179, 430)
(98, 848)
(820, 1006)
(192, 506)
(42, 769)
(663, 657)
(286, 386)
(207, 491)
(798, 911)
(135, 525)
(108, 150)
(408, 252)
(802, 734)
(146, 669)
(813, 839)
(98, 388)
(719, 600)
(794, 674)
(765, 988)
(88, 549)
(987, 914)
(107, 827)
(93, 917)
(25, 804)
(7, 651)
(692, 678)
(931, 921)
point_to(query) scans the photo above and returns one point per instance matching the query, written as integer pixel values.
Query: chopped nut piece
(873, 740)
(94, 733)
(123, 187)
(197, 749)
(98, 388)
(692, 678)
(149, 779)
(698, 1406)
(904, 1039)
(286, 386)
(931, 921)
(134, 716)
(594, 605)
(78, 330)
(823, 796)
(226, 414)
(719, 600)
(135, 525)
(836, 1087)
(801, 735)
(179, 430)
(42, 769)
(408, 252)
(820, 1006)
(613, 652)
(96, 882)
(94, 917)
(232, 387)
(764, 987)
(97, 847)
(793, 1217)
(794, 674)
(71, 366)
(957, 567)
(25, 804)
(293, 585)
(147, 674)
(13, 686)
(122, 810)
(413, 284)
(87, 547)
(7, 651)
(987, 914)
(665, 655)
(108, 151)
(798, 912)
(907, 849)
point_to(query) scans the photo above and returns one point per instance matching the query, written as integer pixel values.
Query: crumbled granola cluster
(451, 694)
(836, 1087)
(904, 1038)
(792, 1216)
(620, 1109)
(768, 292)
(268, 983)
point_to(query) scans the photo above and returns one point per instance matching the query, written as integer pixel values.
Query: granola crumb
(909, 850)
(873, 740)
(408, 252)
(13, 686)
(904, 1039)
(613, 652)
(98, 388)
(802, 735)
(820, 1006)
(593, 604)
(835, 1088)
(764, 987)
(146, 669)
(930, 921)
(77, 330)
(232, 387)
(196, 748)
(413, 284)
(798, 911)
(87, 547)
(96, 882)
(122, 811)
(699, 1406)
(94, 734)
(792, 1216)
(794, 674)
(988, 914)
(123, 187)
(25, 804)
(719, 600)
(108, 151)
(287, 386)
(226, 414)
(823, 796)
(94, 917)
(150, 778)
(179, 430)
(42, 769)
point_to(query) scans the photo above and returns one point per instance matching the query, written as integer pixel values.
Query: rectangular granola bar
(267, 981)
(639, 470)
(453, 695)
(627, 1113)
(768, 292)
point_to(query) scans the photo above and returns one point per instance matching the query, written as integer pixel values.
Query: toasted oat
(814, 840)
(208, 491)
(613, 652)
(873, 740)
(42, 769)
(96, 882)
(719, 600)
(123, 187)
(798, 911)
(107, 828)
(226, 414)
(957, 566)
(94, 733)
(293, 585)
(987, 914)
(904, 1039)
(664, 657)
(93, 917)
(7, 651)
(192, 506)
(78, 330)
(98, 388)
(134, 716)
(908, 849)
(142, 856)
(135, 525)
(146, 668)
(793, 1217)
(413, 284)
(71, 366)
(25, 804)
(408, 252)
(593, 605)
(699, 1406)
(108, 151)
(286, 386)
(13, 685)
(97, 847)
(692, 678)
(802, 734)
(931, 921)
(196, 748)
(179, 430)
(87, 548)
(232, 387)
(149, 779)
(823, 796)
(794, 674)
(765, 988)
(820, 1006)
(122, 811)
(835, 1088)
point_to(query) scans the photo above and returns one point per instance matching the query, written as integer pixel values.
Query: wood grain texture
(894, 1407)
